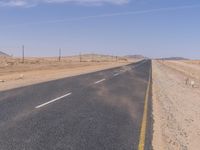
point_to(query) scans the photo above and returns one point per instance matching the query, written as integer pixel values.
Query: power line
(22, 53)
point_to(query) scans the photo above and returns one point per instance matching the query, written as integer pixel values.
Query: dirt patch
(189, 68)
(175, 106)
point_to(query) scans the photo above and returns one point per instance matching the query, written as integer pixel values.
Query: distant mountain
(136, 56)
(4, 54)
(174, 58)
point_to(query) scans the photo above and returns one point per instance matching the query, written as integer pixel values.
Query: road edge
(145, 138)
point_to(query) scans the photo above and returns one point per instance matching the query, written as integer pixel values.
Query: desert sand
(14, 73)
(176, 105)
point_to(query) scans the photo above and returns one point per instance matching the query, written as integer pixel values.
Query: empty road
(105, 110)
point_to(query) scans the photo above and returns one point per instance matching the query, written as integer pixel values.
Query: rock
(21, 76)
(2, 81)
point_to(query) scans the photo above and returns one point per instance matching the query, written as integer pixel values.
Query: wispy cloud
(27, 3)
(107, 15)
(13, 3)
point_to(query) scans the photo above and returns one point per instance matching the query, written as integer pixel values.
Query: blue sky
(154, 28)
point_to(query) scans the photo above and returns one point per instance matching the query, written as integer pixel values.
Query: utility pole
(92, 57)
(80, 57)
(59, 58)
(22, 53)
(113, 58)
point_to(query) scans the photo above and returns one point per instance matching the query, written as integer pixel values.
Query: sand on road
(14, 73)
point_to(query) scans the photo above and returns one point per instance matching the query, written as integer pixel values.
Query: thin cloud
(27, 3)
(107, 15)
(17, 3)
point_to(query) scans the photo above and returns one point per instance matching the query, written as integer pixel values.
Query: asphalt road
(96, 111)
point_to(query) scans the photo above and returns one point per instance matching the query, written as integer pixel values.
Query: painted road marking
(141, 145)
(51, 101)
(139, 64)
(116, 74)
(99, 81)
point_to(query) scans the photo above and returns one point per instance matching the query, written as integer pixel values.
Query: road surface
(105, 110)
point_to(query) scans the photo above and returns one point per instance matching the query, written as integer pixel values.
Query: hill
(174, 58)
(135, 57)
(4, 54)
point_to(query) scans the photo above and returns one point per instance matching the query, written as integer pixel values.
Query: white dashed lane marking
(99, 81)
(51, 101)
(68, 94)
(116, 74)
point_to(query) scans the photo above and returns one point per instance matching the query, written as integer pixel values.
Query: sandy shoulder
(13, 78)
(175, 109)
